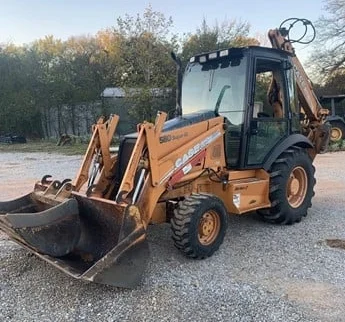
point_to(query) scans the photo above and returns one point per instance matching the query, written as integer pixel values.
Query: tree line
(55, 77)
(51, 76)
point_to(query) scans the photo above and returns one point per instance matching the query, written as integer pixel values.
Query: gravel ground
(262, 272)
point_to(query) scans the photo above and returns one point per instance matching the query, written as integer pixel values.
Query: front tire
(292, 184)
(199, 225)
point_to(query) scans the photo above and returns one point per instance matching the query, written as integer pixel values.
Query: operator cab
(254, 89)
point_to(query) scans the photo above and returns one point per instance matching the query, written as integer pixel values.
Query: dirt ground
(20, 171)
(291, 266)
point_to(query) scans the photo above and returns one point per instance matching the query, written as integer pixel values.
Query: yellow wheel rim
(336, 134)
(297, 187)
(209, 227)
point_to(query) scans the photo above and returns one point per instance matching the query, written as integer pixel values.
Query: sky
(23, 21)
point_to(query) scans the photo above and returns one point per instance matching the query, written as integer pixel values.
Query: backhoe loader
(246, 130)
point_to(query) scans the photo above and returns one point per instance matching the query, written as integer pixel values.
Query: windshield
(216, 86)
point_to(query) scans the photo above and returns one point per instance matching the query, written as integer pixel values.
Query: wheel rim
(336, 134)
(297, 187)
(209, 227)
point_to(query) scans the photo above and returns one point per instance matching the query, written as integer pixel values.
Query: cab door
(268, 114)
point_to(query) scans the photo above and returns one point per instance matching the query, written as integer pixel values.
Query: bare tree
(329, 55)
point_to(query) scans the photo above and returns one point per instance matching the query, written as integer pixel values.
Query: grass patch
(337, 146)
(45, 146)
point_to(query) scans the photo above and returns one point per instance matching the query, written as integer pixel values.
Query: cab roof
(240, 51)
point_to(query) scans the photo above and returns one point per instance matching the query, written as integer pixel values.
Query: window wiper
(221, 95)
(210, 81)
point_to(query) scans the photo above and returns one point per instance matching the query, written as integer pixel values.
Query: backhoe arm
(306, 95)
(315, 129)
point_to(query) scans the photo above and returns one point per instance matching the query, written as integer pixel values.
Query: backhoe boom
(315, 114)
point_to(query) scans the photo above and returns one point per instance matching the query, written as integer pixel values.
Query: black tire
(188, 217)
(283, 210)
(339, 127)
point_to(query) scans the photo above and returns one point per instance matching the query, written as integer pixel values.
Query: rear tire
(199, 225)
(337, 131)
(292, 184)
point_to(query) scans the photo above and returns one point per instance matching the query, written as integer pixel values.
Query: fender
(333, 118)
(294, 139)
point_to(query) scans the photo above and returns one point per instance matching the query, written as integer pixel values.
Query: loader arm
(98, 151)
(179, 160)
(156, 165)
(315, 114)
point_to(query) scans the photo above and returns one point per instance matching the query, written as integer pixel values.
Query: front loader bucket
(88, 238)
